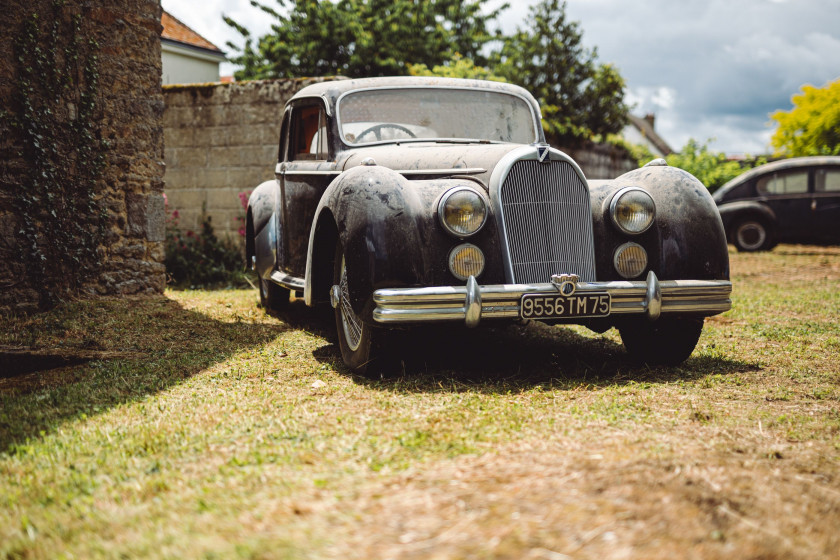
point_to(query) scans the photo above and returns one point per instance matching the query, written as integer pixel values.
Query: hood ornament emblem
(542, 153)
(566, 284)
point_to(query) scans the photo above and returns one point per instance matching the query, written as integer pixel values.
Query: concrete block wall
(221, 140)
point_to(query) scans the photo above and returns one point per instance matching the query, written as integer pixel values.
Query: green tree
(812, 127)
(579, 97)
(358, 38)
(458, 67)
(713, 169)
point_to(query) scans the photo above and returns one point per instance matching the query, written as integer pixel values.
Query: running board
(287, 281)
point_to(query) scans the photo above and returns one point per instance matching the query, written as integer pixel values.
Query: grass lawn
(197, 426)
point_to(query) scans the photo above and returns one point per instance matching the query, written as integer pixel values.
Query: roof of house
(645, 126)
(176, 31)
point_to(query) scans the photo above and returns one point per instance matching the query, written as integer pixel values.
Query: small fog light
(462, 211)
(632, 210)
(466, 260)
(630, 260)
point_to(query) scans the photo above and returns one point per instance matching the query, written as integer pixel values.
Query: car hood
(428, 159)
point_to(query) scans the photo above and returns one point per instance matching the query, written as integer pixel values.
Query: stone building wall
(602, 161)
(221, 140)
(122, 38)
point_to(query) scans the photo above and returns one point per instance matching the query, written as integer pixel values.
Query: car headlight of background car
(462, 211)
(632, 210)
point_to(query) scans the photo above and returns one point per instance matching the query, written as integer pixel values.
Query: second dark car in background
(793, 200)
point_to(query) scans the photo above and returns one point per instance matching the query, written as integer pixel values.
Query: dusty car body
(403, 201)
(791, 200)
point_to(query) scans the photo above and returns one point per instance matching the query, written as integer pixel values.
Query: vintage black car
(792, 200)
(403, 201)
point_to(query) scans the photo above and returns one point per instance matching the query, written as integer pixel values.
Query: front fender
(379, 218)
(687, 239)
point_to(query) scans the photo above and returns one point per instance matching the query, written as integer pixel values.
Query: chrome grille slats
(547, 221)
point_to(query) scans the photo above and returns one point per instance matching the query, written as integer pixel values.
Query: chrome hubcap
(350, 322)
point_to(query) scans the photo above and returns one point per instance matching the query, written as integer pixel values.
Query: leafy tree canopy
(713, 169)
(359, 38)
(812, 127)
(458, 67)
(579, 97)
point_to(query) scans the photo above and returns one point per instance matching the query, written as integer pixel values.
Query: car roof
(776, 166)
(331, 90)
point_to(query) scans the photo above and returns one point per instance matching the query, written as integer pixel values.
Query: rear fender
(263, 228)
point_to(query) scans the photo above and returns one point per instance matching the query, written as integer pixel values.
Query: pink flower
(243, 199)
(176, 215)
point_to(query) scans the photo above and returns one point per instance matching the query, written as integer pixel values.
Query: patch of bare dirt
(574, 500)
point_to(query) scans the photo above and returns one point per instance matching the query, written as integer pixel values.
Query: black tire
(667, 341)
(358, 341)
(272, 296)
(751, 234)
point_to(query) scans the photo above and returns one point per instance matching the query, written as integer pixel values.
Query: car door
(825, 205)
(307, 169)
(786, 193)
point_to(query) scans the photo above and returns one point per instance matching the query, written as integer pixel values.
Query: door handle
(813, 204)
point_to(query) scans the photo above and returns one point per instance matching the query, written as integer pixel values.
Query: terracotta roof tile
(175, 30)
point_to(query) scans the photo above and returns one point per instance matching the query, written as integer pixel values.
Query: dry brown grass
(223, 432)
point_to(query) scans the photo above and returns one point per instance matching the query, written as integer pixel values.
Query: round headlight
(462, 211)
(466, 260)
(632, 210)
(630, 260)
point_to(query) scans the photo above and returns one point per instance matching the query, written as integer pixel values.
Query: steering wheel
(377, 129)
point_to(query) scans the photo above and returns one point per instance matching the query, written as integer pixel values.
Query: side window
(827, 180)
(785, 182)
(308, 140)
(283, 149)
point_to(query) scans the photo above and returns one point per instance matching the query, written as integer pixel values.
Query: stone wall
(602, 161)
(221, 140)
(125, 213)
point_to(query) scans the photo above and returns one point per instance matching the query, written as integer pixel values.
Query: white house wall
(186, 66)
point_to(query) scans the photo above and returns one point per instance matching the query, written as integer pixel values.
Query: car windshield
(413, 114)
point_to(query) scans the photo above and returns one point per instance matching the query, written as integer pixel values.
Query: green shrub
(713, 169)
(201, 259)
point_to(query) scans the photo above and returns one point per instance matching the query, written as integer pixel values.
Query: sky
(711, 70)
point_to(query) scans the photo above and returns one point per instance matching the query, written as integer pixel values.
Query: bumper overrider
(472, 303)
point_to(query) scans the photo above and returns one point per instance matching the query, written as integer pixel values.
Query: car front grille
(548, 222)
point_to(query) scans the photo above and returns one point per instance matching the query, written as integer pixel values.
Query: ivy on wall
(55, 118)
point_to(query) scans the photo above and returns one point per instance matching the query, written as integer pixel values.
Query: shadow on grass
(517, 358)
(164, 344)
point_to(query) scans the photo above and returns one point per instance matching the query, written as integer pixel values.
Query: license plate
(541, 306)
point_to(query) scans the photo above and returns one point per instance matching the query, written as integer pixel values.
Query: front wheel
(357, 340)
(667, 341)
(751, 234)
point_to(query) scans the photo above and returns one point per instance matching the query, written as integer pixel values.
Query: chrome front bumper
(472, 303)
